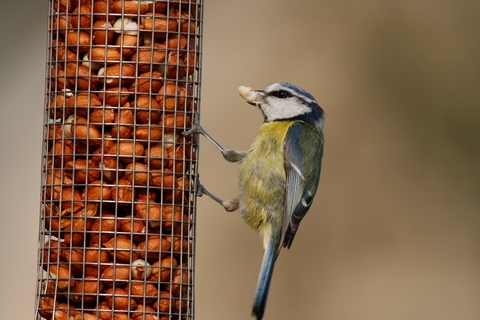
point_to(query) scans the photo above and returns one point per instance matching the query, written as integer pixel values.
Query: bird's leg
(229, 205)
(229, 154)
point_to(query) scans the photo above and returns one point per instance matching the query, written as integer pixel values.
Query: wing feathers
(302, 177)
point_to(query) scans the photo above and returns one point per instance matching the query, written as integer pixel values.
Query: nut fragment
(185, 21)
(123, 249)
(148, 57)
(151, 212)
(46, 307)
(62, 276)
(177, 42)
(57, 107)
(103, 229)
(141, 269)
(60, 23)
(52, 252)
(126, 26)
(129, 150)
(163, 304)
(144, 134)
(87, 289)
(162, 269)
(137, 173)
(61, 152)
(153, 247)
(81, 130)
(78, 41)
(143, 292)
(175, 66)
(179, 158)
(59, 80)
(74, 232)
(115, 96)
(61, 53)
(171, 217)
(125, 120)
(147, 313)
(83, 316)
(180, 278)
(118, 275)
(82, 101)
(97, 190)
(164, 178)
(128, 43)
(109, 55)
(100, 116)
(95, 259)
(71, 199)
(133, 228)
(248, 94)
(157, 22)
(148, 82)
(174, 121)
(102, 31)
(155, 155)
(81, 17)
(118, 299)
(75, 258)
(148, 110)
(178, 244)
(171, 97)
(117, 73)
(129, 7)
(122, 194)
(82, 171)
(56, 180)
(103, 311)
(61, 312)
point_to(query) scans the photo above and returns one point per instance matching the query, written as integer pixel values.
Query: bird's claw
(200, 189)
(197, 129)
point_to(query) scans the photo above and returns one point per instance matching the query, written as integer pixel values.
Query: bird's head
(285, 101)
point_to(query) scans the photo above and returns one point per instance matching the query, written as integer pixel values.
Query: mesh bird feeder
(117, 210)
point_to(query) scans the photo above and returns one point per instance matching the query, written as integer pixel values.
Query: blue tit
(279, 174)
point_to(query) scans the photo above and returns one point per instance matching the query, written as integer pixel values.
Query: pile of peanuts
(117, 190)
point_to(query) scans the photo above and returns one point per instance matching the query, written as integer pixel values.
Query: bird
(278, 175)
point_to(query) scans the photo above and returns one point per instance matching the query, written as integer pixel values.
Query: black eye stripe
(281, 94)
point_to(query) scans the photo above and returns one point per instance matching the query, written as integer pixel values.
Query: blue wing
(302, 167)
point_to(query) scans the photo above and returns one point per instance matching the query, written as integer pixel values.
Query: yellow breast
(262, 177)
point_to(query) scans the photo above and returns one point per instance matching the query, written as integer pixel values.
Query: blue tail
(264, 278)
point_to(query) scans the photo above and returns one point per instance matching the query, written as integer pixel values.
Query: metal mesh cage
(117, 220)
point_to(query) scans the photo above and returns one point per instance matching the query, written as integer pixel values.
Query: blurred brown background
(395, 229)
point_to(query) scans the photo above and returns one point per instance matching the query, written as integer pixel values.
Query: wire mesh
(117, 218)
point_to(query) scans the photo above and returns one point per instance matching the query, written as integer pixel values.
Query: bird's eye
(282, 94)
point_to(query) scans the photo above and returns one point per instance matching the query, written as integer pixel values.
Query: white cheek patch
(283, 108)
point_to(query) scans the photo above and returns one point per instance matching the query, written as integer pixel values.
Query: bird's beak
(253, 97)
(259, 98)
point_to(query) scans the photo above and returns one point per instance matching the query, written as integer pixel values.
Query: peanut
(114, 184)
